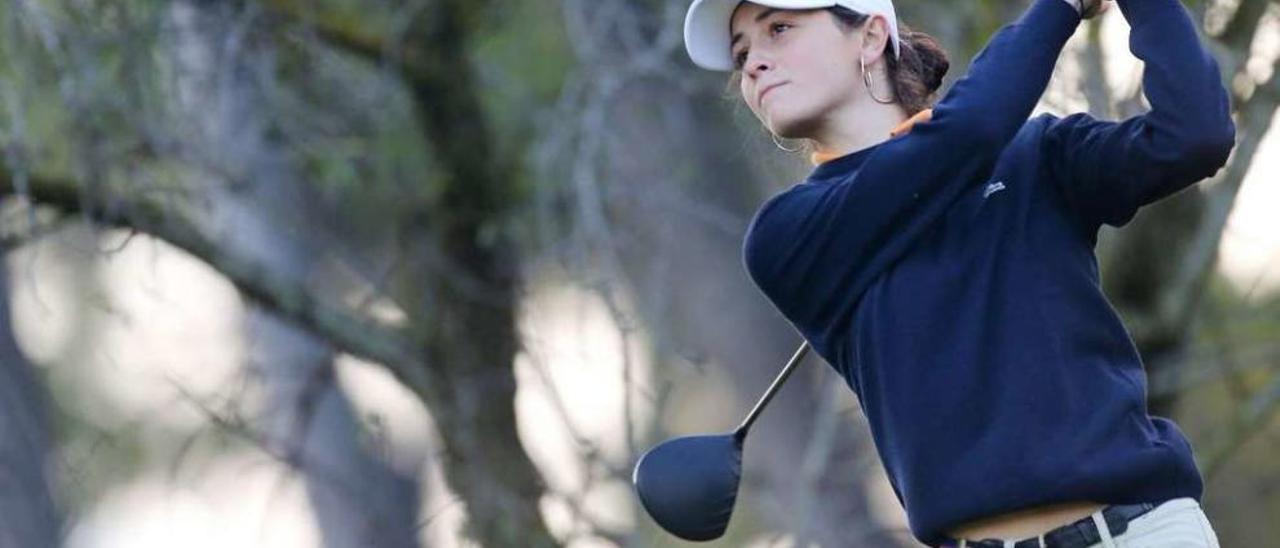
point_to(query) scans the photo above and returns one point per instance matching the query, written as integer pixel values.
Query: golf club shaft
(741, 432)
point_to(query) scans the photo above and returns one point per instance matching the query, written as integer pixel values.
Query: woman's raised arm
(1106, 170)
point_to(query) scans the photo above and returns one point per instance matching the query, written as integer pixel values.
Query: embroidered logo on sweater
(992, 188)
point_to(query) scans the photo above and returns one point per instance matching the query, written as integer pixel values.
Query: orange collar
(820, 156)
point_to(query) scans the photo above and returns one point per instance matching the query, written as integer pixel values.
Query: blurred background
(435, 273)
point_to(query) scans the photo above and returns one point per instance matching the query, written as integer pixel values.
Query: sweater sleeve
(813, 252)
(1106, 170)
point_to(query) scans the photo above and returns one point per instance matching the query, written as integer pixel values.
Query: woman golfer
(942, 260)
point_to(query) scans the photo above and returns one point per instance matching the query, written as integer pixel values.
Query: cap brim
(706, 28)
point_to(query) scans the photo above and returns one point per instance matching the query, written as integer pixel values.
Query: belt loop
(1040, 541)
(964, 542)
(1103, 530)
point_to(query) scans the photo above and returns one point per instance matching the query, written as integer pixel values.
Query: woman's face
(803, 63)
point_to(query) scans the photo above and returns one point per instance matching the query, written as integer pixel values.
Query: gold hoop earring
(866, 79)
(779, 145)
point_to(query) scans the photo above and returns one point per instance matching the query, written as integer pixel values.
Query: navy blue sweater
(949, 275)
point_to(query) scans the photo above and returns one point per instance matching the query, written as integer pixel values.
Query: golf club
(689, 484)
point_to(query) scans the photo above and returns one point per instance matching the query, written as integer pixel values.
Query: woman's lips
(766, 90)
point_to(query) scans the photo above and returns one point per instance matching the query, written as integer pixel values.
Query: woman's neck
(854, 129)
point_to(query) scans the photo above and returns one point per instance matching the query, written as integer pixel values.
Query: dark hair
(917, 75)
(914, 78)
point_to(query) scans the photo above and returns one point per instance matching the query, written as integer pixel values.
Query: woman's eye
(741, 57)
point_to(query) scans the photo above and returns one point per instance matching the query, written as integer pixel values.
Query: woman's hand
(1088, 9)
(1093, 8)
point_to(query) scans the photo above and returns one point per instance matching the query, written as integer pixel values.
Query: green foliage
(522, 63)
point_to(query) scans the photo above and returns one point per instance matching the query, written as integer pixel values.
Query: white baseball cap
(706, 25)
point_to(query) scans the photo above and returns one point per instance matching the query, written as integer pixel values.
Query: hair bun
(933, 60)
(917, 74)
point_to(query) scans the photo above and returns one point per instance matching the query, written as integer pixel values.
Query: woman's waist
(1027, 522)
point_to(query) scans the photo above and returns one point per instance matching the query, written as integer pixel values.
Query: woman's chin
(789, 127)
(788, 122)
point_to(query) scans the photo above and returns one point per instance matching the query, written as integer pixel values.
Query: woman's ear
(875, 34)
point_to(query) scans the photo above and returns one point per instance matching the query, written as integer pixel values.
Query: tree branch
(343, 33)
(1251, 419)
(360, 337)
(1240, 29)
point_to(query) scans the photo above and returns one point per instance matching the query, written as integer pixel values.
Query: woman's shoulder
(775, 206)
(774, 222)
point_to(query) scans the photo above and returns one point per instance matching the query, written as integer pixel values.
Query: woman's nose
(757, 64)
(758, 67)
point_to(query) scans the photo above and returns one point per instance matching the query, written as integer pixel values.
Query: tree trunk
(460, 284)
(28, 516)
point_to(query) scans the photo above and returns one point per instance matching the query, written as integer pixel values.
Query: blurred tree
(1157, 266)
(306, 419)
